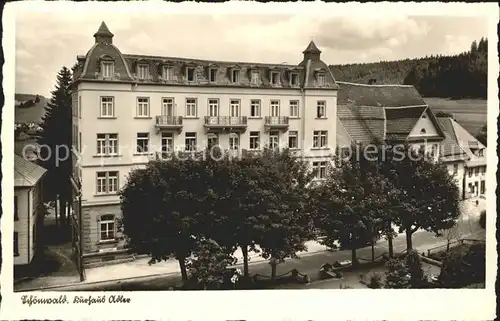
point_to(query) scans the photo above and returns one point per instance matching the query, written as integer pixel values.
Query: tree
(352, 203)
(428, 198)
(451, 234)
(396, 276)
(209, 264)
(414, 267)
(254, 202)
(161, 206)
(288, 216)
(56, 143)
(461, 268)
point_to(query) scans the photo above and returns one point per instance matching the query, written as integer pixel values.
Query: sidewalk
(141, 268)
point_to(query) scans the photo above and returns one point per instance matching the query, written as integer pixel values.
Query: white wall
(127, 126)
(25, 225)
(424, 123)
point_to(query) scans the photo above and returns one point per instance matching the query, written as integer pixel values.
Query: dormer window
(255, 77)
(294, 79)
(191, 76)
(321, 79)
(212, 74)
(168, 73)
(142, 71)
(275, 78)
(235, 75)
(107, 69)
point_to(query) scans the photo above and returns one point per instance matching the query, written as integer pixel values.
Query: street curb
(143, 278)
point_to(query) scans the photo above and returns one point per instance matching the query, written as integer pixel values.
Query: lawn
(470, 113)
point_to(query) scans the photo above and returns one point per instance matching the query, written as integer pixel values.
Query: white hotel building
(128, 107)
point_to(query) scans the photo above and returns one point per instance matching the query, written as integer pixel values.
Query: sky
(46, 41)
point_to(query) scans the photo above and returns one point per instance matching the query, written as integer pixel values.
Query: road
(308, 264)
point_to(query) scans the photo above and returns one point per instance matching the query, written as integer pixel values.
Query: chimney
(372, 81)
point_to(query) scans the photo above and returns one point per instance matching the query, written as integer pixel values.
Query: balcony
(226, 123)
(182, 155)
(277, 123)
(169, 123)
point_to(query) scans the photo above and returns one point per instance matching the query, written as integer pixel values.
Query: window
(143, 107)
(321, 79)
(275, 78)
(320, 138)
(80, 107)
(235, 76)
(476, 171)
(190, 142)
(480, 153)
(142, 143)
(294, 79)
(293, 140)
(274, 140)
(321, 109)
(320, 169)
(470, 172)
(255, 77)
(168, 73)
(234, 141)
(107, 144)
(16, 244)
(190, 74)
(107, 107)
(167, 107)
(471, 188)
(483, 187)
(212, 75)
(107, 227)
(213, 107)
(254, 140)
(16, 213)
(455, 169)
(422, 131)
(167, 142)
(212, 140)
(107, 69)
(275, 108)
(107, 182)
(434, 150)
(143, 71)
(234, 106)
(190, 107)
(294, 108)
(255, 108)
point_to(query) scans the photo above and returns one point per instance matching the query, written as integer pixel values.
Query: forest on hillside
(459, 76)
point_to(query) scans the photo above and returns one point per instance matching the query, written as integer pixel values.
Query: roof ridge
(375, 85)
(401, 107)
(133, 56)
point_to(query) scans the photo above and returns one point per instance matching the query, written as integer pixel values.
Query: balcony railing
(168, 121)
(225, 121)
(277, 122)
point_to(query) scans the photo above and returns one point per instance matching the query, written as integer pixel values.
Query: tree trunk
(373, 251)
(182, 265)
(409, 244)
(244, 250)
(391, 248)
(62, 211)
(354, 258)
(56, 212)
(273, 270)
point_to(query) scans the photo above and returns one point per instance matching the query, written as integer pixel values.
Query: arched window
(234, 141)
(422, 131)
(107, 227)
(212, 140)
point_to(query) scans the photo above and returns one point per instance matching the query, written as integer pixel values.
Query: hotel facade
(128, 109)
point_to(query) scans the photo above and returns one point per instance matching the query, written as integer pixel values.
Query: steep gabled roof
(103, 31)
(460, 140)
(364, 124)
(401, 120)
(26, 173)
(378, 95)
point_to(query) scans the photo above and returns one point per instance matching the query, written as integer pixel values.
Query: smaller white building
(28, 208)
